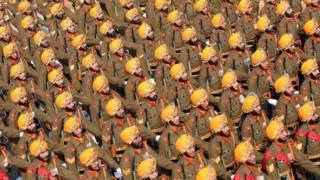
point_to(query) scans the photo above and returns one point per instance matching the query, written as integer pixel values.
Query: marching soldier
(180, 90)
(199, 116)
(202, 19)
(223, 143)
(174, 30)
(148, 113)
(269, 10)
(282, 153)
(289, 59)
(137, 151)
(239, 58)
(229, 10)
(211, 72)
(310, 87)
(46, 166)
(307, 136)
(311, 11)
(230, 103)
(220, 34)
(268, 39)
(246, 23)
(193, 161)
(288, 103)
(254, 124)
(312, 44)
(157, 11)
(245, 156)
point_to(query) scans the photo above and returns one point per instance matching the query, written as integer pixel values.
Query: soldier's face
(290, 90)
(95, 66)
(241, 45)
(223, 25)
(315, 74)
(129, 5)
(59, 82)
(72, 29)
(292, 48)
(289, 12)
(167, 58)
(71, 105)
(137, 142)
(7, 37)
(249, 10)
(60, 14)
(32, 27)
(120, 113)
(44, 155)
(23, 99)
(45, 43)
(31, 126)
(105, 90)
(78, 132)
(315, 116)
(152, 95)
(22, 76)
(205, 11)
(235, 85)
(95, 165)
(138, 71)
(150, 35)
(175, 120)
(184, 76)
(204, 105)
(190, 151)
(100, 17)
(154, 175)
(178, 22)
(120, 52)
(214, 59)
(252, 158)
(283, 136)
(265, 65)
(14, 55)
(226, 130)
(257, 109)
(83, 46)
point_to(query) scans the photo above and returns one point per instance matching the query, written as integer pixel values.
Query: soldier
(97, 14)
(311, 11)
(223, 143)
(288, 103)
(157, 12)
(245, 156)
(268, 39)
(202, 19)
(282, 153)
(200, 114)
(229, 10)
(193, 161)
(207, 172)
(175, 127)
(122, 7)
(79, 139)
(269, 9)
(147, 169)
(220, 34)
(254, 124)
(288, 23)
(307, 136)
(190, 51)
(136, 153)
(312, 44)
(211, 72)
(45, 165)
(246, 23)
(310, 87)
(118, 120)
(239, 58)
(166, 59)
(230, 103)
(95, 167)
(174, 30)
(179, 91)
(134, 19)
(289, 59)
(261, 78)
(148, 113)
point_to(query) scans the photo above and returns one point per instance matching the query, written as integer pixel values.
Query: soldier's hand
(118, 173)
(6, 163)
(260, 177)
(290, 156)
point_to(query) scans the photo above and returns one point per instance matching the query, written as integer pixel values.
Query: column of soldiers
(160, 89)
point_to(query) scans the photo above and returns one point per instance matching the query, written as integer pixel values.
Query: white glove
(272, 101)
(157, 137)
(118, 173)
(232, 176)
(296, 92)
(241, 98)
(5, 163)
(153, 81)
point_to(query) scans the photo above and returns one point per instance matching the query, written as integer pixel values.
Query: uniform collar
(93, 173)
(189, 160)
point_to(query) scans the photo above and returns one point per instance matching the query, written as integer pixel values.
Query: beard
(289, 14)
(315, 76)
(138, 21)
(193, 43)
(112, 34)
(285, 139)
(155, 97)
(137, 145)
(224, 134)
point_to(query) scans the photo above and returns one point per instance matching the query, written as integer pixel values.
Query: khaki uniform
(210, 77)
(179, 92)
(149, 115)
(173, 36)
(134, 156)
(289, 25)
(287, 106)
(191, 166)
(190, 57)
(202, 24)
(268, 42)
(229, 11)
(249, 172)
(238, 61)
(52, 169)
(199, 122)
(231, 106)
(221, 149)
(307, 139)
(246, 25)
(220, 37)
(258, 82)
(310, 12)
(162, 76)
(288, 63)
(253, 129)
(277, 163)
(131, 93)
(312, 47)
(96, 175)
(310, 88)
(270, 10)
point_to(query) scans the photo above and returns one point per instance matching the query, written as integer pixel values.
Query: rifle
(221, 154)
(253, 140)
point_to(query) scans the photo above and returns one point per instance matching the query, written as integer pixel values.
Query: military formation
(160, 89)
